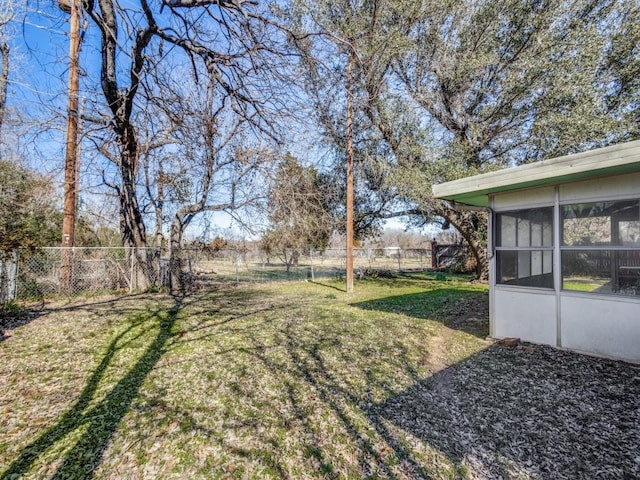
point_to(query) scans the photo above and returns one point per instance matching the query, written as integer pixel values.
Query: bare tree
(6, 15)
(214, 166)
(230, 50)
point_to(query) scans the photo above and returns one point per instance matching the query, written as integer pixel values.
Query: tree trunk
(8, 277)
(465, 223)
(158, 237)
(288, 259)
(132, 225)
(133, 229)
(4, 81)
(176, 274)
(159, 204)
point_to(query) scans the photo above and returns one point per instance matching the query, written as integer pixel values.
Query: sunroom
(564, 249)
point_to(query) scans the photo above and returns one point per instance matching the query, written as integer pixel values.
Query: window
(524, 247)
(600, 249)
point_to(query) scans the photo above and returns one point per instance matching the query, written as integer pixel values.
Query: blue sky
(38, 81)
(39, 51)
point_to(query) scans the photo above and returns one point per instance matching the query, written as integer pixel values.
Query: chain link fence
(59, 272)
(65, 272)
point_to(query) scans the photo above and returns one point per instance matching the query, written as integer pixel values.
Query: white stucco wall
(601, 325)
(528, 314)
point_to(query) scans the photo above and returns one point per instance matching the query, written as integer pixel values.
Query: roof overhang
(613, 160)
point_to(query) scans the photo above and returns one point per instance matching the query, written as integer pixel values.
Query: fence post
(13, 281)
(237, 268)
(131, 271)
(313, 277)
(9, 277)
(434, 254)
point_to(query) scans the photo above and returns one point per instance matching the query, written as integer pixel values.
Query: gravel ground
(528, 412)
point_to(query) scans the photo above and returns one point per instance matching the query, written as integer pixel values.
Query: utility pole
(71, 156)
(349, 262)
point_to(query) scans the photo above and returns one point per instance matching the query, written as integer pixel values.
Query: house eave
(613, 160)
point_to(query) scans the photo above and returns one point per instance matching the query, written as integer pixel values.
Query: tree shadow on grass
(102, 419)
(533, 412)
(459, 308)
(306, 364)
(502, 413)
(315, 282)
(11, 318)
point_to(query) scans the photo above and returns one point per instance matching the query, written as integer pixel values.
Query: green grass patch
(268, 381)
(579, 286)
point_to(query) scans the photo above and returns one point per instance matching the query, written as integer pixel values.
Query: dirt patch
(469, 314)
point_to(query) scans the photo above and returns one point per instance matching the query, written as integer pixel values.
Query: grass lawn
(301, 380)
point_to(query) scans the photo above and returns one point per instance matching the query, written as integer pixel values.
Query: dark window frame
(531, 263)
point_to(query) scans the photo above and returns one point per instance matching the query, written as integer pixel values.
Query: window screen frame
(545, 248)
(614, 248)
